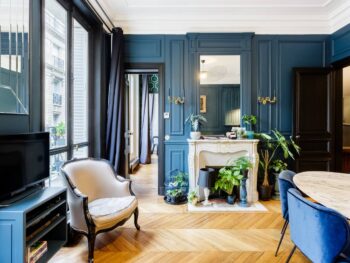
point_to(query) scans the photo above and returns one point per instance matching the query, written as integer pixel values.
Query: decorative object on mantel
(267, 100)
(206, 179)
(202, 103)
(195, 121)
(176, 189)
(249, 121)
(192, 197)
(176, 100)
(277, 167)
(268, 151)
(244, 164)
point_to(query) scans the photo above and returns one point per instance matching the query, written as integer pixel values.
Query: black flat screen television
(24, 162)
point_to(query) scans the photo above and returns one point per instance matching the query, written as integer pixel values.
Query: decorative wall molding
(270, 17)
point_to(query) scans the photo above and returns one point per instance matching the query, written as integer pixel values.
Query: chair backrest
(319, 232)
(94, 178)
(285, 182)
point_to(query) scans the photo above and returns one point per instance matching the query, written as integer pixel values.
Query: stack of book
(36, 251)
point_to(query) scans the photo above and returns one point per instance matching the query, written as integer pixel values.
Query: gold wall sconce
(176, 100)
(265, 100)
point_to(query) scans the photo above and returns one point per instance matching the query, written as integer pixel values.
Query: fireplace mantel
(217, 152)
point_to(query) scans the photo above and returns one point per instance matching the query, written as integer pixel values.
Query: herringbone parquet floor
(171, 234)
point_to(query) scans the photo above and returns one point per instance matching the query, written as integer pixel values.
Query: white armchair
(98, 199)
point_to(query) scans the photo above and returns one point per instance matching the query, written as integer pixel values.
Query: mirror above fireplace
(219, 92)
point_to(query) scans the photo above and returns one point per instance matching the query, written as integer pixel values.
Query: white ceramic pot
(194, 201)
(195, 135)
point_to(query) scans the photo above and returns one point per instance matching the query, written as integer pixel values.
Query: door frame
(338, 89)
(161, 101)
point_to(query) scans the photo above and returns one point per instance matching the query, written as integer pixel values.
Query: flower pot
(276, 195)
(194, 201)
(265, 192)
(250, 134)
(195, 135)
(230, 199)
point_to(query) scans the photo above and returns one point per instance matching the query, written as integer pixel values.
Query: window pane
(14, 56)
(81, 153)
(55, 73)
(56, 162)
(80, 83)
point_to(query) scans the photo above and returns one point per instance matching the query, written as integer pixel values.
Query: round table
(327, 188)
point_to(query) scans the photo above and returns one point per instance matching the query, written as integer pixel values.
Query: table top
(327, 188)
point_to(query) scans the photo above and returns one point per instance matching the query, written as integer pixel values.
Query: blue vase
(243, 190)
(230, 199)
(250, 134)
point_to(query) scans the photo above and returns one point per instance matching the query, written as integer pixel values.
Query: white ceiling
(259, 16)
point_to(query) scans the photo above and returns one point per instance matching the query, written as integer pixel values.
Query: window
(66, 102)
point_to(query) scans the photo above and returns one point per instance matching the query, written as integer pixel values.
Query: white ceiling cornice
(258, 16)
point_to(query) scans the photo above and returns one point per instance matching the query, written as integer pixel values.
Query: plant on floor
(278, 166)
(270, 146)
(192, 197)
(231, 176)
(196, 121)
(177, 188)
(249, 121)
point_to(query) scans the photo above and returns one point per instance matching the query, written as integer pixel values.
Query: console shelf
(40, 216)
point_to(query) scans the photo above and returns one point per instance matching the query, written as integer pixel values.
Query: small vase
(230, 199)
(250, 134)
(195, 135)
(243, 191)
(194, 201)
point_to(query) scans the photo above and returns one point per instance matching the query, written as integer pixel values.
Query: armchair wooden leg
(136, 216)
(91, 244)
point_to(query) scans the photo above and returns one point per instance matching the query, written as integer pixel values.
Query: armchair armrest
(124, 186)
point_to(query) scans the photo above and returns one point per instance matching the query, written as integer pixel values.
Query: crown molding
(183, 16)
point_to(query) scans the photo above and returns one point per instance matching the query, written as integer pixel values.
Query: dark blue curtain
(115, 111)
(145, 138)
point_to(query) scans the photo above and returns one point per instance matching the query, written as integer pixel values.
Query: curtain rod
(98, 15)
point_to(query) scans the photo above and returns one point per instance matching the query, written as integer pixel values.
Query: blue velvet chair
(320, 233)
(285, 182)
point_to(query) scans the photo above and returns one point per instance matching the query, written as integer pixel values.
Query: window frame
(72, 13)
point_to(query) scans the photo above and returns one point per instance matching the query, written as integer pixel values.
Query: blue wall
(267, 63)
(340, 44)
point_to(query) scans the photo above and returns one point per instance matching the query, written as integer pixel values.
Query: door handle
(297, 137)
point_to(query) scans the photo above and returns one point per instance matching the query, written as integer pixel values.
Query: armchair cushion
(107, 212)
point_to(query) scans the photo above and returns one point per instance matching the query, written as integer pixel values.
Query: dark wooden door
(314, 119)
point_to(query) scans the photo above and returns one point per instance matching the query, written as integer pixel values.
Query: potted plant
(196, 121)
(244, 164)
(176, 189)
(229, 177)
(192, 197)
(268, 151)
(277, 166)
(249, 121)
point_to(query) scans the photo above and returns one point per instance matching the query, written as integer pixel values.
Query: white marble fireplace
(217, 152)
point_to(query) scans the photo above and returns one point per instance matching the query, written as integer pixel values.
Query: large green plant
(271, 145)
(232, 174)
(196, 121)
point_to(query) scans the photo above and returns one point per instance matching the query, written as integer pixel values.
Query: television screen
(24, 161)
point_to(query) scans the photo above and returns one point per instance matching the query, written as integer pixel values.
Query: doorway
(346, 120)
(144, 128)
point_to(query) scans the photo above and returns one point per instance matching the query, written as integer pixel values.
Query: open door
(314, 119)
